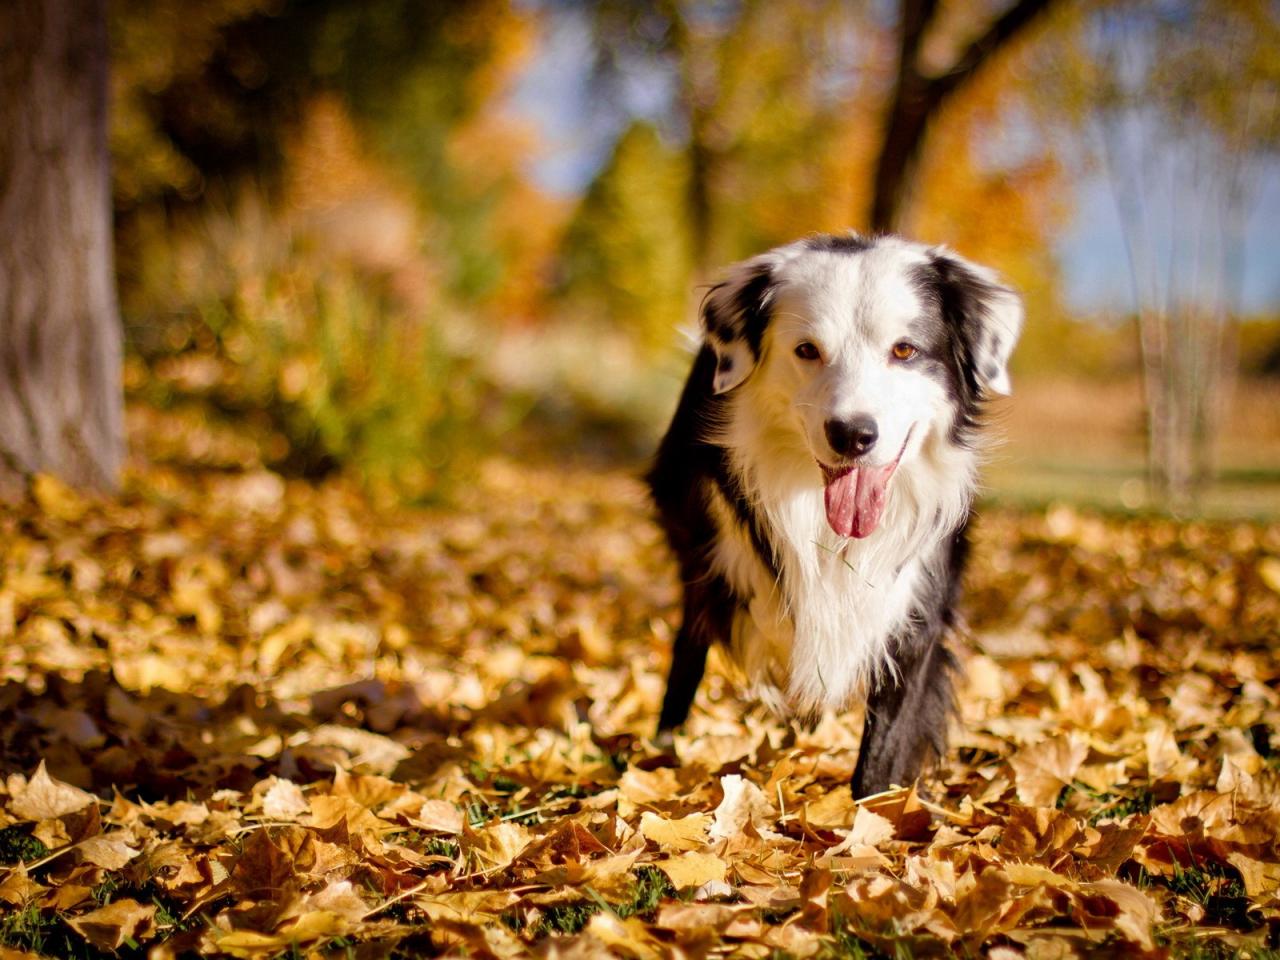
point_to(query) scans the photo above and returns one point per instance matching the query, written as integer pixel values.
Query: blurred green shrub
(322, 361)
(626, 252)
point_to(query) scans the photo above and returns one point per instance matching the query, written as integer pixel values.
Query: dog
(816, 482)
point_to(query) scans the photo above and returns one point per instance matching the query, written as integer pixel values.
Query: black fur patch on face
(955, 302)
(729, 314)
(839, 243)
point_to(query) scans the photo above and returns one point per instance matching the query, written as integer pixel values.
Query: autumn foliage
(245, 716)
(365, 657)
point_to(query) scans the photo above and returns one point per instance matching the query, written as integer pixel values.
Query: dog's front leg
(688, 663)
(708, 615)
(907, 715)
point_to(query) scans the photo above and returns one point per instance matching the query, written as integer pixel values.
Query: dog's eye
(807, 351)
(902, 350)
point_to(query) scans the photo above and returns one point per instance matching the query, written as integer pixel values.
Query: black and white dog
(816, 480)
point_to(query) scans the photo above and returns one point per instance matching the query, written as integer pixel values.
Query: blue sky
(578, 127)
(1095, 263)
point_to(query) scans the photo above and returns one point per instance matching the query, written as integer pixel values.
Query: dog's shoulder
(687, 455)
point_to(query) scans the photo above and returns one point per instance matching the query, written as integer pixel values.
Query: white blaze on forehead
(846, 299)
(854, 306)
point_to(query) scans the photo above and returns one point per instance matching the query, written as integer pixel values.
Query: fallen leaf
(109, 927)
(107, 851)
(284, 800)
(1043, 769)
(439, 816)
(744, 805)
(308, 928)
(692, 869)
(44, 798)
(683, 833)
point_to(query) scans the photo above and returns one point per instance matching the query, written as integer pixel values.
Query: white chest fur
(817, 635)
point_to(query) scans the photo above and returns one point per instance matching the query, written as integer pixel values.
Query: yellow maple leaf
(683, 833)
(692, 869)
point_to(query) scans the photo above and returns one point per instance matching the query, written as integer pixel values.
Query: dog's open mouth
(855, 495)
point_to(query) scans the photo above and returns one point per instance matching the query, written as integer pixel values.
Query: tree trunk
(702, 158)
(61, 407)
(917, 98)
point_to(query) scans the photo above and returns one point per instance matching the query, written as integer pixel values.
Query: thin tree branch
(917, 98)
(1011, 23)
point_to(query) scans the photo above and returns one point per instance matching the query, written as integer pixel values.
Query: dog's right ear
(734, 315)
(986, 313)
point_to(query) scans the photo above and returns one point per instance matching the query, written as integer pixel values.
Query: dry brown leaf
(1164, 759)
(814, 889)
(44, 798)
(1039, 834)
(1261, 879)
(109, 851)
(835, 808)
(466, 906)
(692, 869)
(1109, 845)
(902, 807)
(569, 841)
(683, 833)
(338, 897)
(365, 749)
(1137, 914)
(109, 927)
(329, 811)
(284, 800)
(870, 828)
(697, 917)
(16, 888)
(628, 938)
(744, 805)
(649, 786)
(496, 844)
(1043, 769)
(308, 928)
(439, 816)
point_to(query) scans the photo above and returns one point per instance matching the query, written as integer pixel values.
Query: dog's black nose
(852, 437)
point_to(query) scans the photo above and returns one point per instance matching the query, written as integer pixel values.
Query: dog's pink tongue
(855, 500)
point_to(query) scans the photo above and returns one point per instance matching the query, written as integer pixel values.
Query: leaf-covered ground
(248, 717)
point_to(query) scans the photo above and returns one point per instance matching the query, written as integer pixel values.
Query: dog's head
(869, 348)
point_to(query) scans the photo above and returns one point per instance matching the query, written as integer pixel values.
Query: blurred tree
(992, 186)
(323, 199)
(61, 406)
(626, 250)
(793, 83)
(778, 108)
(920, 92)
(209, 99)
(1186, 94)
(759, 96)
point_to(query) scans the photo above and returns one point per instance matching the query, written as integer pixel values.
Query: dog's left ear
(988, 315)
(734, 315)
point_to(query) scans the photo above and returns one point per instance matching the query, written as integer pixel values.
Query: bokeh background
(388, 238)
(363, 654)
